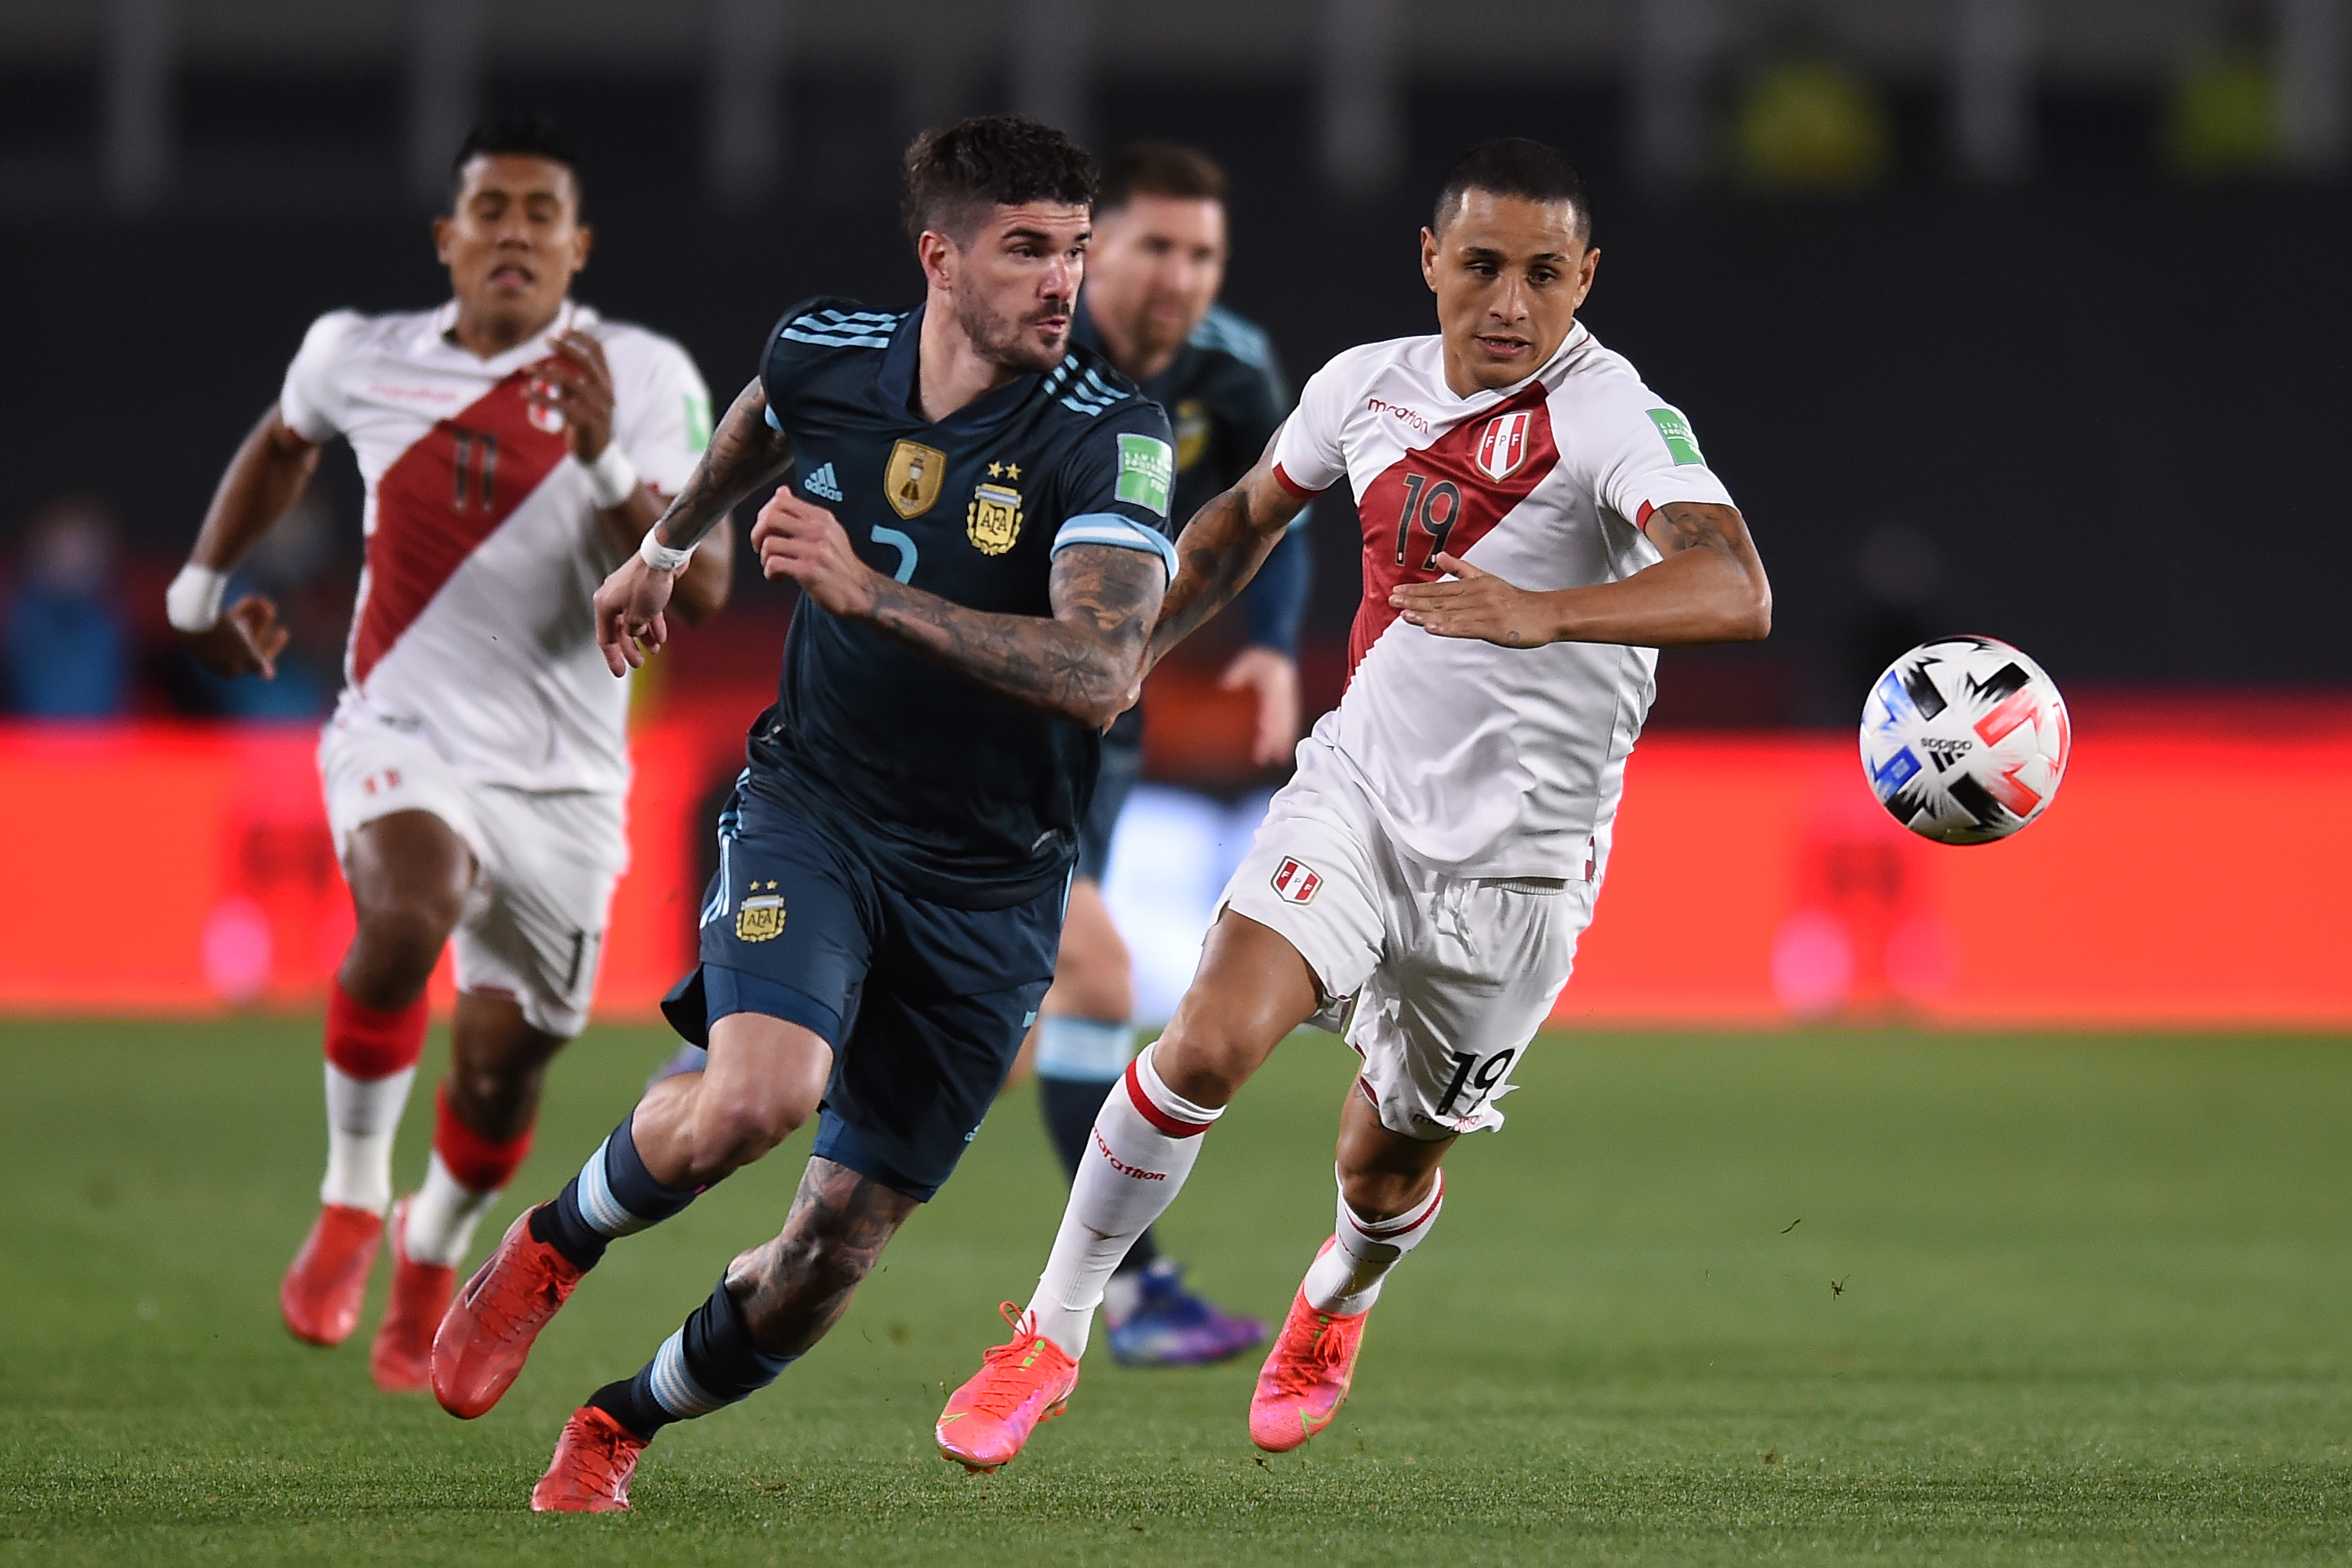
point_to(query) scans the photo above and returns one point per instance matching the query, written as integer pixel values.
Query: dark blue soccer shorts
(924, 1005)
(1122, 765)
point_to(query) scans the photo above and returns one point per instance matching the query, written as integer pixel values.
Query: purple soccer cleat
(1172, 1327)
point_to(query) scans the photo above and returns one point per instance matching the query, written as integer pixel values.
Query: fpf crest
(1502, 445)
(992, 520)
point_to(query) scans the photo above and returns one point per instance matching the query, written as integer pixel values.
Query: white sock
(362, 1115)
(1145, 1141)
(1346, 1281)
(442, 1216)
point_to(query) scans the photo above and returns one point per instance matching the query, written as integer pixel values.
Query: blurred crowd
(82, 633)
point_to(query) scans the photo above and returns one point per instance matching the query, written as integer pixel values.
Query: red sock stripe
(369, 1042)
(1175, 1127)
(1436, 1200)
(479, 1165)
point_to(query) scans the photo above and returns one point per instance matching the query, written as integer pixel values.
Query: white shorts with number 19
(546, 861)
(1451, 976)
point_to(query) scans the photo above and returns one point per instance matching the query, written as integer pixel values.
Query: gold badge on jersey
(992, 520)
(913, 480)
(1192, 432)
(760, 916)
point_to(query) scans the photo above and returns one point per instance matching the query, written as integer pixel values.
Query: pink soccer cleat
(323, 1286)
(1020, 1384)
(401, 1357)
(1306, 1377)
(487, 1335)
(590, 1472)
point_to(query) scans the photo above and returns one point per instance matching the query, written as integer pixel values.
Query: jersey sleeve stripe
(1293, 486)
(1121, 532)
(792, 334)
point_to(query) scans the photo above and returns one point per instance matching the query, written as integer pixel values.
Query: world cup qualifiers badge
(759, 917)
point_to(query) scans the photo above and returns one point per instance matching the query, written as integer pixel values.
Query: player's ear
(584, 240)
(1585, 273)
(441, 228)
(1429, 258)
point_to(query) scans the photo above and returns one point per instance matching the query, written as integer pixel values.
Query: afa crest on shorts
(759, 917)
(992, 520)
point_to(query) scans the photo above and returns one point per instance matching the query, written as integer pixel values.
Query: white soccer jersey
(1488, 760)
(474, 624)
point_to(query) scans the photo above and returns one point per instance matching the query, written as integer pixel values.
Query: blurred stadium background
(2024, 317)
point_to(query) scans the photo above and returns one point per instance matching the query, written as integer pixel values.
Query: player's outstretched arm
(1220, 550)
(745, 452)
(1084, 662)
(1710, 588)
(272, 467)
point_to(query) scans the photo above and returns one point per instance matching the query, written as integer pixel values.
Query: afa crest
(1191, 418)
(911, 482)
(759, 917)
(993, 521)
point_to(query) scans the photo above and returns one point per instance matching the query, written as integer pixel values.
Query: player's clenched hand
(246, 640)
(1474, 604)
(806, 544)
(1274, 676)
(629, 623)
(576, 381)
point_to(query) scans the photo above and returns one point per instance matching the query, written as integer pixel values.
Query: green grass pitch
(2092, 1305)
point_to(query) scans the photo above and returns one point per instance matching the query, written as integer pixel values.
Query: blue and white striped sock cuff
(1086, 1050)
(602, 1211)
(673, 1388)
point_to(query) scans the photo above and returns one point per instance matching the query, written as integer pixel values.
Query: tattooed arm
(1220, 549)
(1084, 662)
(745, 453)
(1710, 588)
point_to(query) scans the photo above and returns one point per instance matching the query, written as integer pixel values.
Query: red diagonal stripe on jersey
(438, 501)
(1440, 497)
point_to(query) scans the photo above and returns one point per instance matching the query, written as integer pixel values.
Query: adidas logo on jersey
(822, 484)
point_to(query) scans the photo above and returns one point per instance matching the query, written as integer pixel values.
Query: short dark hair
(1158, 169)
(1515, 166)
(517, 136)
(989, 160)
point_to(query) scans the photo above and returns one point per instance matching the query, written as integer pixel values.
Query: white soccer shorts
(533, 925)
(1450, 976)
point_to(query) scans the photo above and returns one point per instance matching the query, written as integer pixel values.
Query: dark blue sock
(614, 1194)
(1070, 1106)
(708, 1364)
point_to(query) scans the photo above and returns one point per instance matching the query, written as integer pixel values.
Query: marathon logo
(1134, 1173)
(1294, 883)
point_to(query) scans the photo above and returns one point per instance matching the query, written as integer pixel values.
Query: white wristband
(612, 477)
(193, 602)
(660, 556)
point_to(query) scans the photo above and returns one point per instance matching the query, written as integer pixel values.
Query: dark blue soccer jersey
(956, 793)
(1225, 398)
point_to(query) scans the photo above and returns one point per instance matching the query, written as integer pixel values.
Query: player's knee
(735, 1132)
(1205, 1061)
(400, 942)
(1383, 1195)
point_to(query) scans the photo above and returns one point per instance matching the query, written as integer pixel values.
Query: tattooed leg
(774, 1302)
(795, 1287)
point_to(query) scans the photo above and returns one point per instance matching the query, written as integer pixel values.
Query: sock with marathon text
(614, 1194)
(1143, 1144)
(1079, 1060)
(711, 1363)
(371, 1062)
(1346, 1281)
(464, 1178)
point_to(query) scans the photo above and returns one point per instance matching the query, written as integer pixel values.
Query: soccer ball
(1964, 740)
